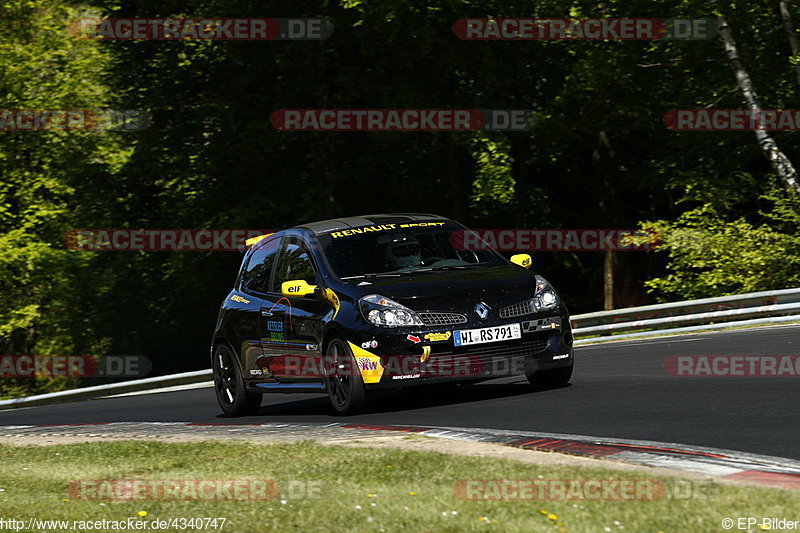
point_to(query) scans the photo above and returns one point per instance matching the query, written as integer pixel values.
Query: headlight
(381, 311)
(545, 297)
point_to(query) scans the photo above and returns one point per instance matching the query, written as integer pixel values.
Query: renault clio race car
(353, 305)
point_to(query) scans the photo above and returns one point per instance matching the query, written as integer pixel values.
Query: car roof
(338, 224)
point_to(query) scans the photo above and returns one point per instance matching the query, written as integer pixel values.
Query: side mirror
(297, 288)
(523, 260)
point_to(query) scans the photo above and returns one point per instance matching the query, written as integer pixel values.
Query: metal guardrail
(97, 391)
(758, 308)
(690, 314)
(772, 321)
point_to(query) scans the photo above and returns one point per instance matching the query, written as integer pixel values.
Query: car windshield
(402, 248)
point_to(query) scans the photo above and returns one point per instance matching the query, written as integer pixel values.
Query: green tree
(44, 287)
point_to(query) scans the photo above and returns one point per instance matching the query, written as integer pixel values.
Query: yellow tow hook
(426, 353)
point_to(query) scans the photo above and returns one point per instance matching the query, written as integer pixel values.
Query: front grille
(442, 319)
(523, 308)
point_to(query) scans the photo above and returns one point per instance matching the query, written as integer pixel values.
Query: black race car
(349, 306)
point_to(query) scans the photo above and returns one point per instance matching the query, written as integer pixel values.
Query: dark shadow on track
(404, 400)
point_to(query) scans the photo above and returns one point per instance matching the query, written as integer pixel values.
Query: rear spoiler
(253, 240)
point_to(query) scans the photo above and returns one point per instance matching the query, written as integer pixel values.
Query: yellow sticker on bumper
(368, 363)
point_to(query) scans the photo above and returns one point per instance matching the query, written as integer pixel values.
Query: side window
(255, 276)
(294, 263)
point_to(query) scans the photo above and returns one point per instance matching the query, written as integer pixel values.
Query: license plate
(466, 337)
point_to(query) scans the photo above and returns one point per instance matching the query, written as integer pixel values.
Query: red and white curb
(724, 464)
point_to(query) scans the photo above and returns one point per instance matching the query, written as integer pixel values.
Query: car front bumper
(546, 343)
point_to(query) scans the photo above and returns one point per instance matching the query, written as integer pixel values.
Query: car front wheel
(343, 379)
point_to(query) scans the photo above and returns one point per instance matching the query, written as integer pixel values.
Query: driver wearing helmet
(402, 252)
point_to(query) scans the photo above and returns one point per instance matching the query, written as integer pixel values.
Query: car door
(299, 317)
(254, 288)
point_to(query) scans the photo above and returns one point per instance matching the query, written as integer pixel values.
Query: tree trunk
(786, 17)
(780, 163)
(602, 163)
(608, 280)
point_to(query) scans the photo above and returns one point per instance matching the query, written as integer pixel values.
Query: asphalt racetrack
(619, 389)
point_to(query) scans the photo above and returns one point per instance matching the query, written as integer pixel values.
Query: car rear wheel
(551, 379)
(232, 395)
(343, 380)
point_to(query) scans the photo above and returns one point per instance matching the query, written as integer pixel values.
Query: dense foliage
(600, 155)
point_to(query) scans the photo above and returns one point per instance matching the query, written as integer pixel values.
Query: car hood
(453, 290)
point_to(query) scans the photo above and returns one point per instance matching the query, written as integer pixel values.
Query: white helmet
(402, 251)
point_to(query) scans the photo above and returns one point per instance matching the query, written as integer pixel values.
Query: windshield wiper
(376, 275)
(456, 267)
(413, 271)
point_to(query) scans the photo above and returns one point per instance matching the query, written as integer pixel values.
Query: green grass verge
(362, 489)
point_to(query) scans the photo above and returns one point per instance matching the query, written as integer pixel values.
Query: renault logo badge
(482, 310)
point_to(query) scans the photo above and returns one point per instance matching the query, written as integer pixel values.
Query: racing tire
(343, 381)
(232, 395)
(552, 378)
